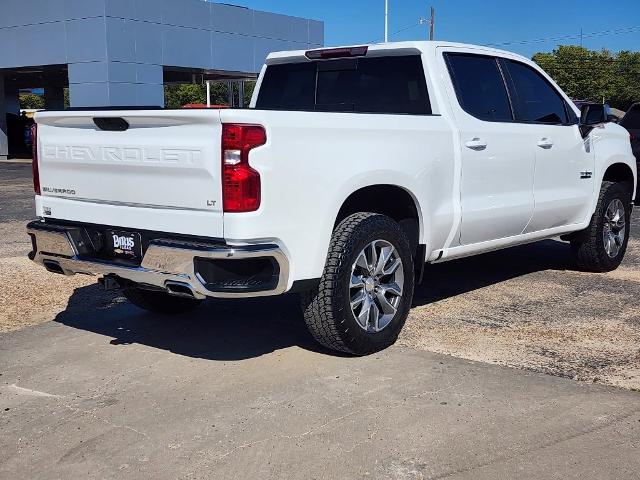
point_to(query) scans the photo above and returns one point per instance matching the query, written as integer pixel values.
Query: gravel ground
(525, 307)
(28, 294)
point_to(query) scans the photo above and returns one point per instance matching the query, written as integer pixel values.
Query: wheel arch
(618, 172)
(621, 172)
(392, 200)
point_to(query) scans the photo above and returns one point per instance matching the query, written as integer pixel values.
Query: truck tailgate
(158, 163)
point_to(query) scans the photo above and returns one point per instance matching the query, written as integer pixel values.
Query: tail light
(329, 53)
(34, 158)
(240, 182)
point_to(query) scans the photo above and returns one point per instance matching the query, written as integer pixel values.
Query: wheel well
(390, 200)
(619, 172)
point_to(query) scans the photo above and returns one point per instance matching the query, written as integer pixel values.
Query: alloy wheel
(614, 228)
(376, 286)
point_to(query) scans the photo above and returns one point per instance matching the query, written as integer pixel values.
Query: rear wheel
(366, 289)
(158, 301)
(602, 246)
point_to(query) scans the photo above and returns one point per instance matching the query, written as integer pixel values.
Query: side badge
(46, 211)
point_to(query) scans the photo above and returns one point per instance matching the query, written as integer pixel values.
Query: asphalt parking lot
(511, 366)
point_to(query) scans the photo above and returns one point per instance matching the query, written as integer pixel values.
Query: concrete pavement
(241, 391)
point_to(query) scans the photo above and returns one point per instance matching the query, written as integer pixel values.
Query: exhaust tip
(179, 289)
(53, 267)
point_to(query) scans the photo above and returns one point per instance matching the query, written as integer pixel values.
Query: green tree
(31, 101)
(248, 91)
(627, 80)
(178, 95)
(594, 75)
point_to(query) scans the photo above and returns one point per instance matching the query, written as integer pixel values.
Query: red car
(204, 105)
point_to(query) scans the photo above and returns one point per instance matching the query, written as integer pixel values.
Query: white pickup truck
(352, 169)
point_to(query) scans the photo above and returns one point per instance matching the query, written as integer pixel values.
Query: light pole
(432, 23)
(386, 21)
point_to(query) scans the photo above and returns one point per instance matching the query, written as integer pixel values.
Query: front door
(563, 182)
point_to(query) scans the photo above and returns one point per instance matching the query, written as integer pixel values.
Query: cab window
(535, 99)
(479, 86)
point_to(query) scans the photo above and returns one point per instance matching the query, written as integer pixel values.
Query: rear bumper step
(222, 271)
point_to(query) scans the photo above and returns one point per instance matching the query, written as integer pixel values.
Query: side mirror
(592, 114)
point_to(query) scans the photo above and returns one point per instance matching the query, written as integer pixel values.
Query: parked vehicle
(631, 121)
(352, 169)
(204, 105)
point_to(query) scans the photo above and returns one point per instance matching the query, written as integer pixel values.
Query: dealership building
(122, 52)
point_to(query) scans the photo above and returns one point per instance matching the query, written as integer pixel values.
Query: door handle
(545, 143)
(476, 144)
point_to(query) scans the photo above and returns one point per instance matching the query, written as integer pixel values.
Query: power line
(602, 33)
(398, 31)
(405, 29)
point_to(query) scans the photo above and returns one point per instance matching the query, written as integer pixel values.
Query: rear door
(497, 159)
(563, 182)
(153, 165)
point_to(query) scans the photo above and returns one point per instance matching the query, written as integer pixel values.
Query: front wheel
(602, 246)
(366, 289)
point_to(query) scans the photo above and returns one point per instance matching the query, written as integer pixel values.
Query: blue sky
(474, 21)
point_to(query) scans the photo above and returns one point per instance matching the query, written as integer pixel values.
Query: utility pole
(432, 23)
(386, 21)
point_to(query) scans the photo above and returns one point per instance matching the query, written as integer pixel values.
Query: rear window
(393, 85)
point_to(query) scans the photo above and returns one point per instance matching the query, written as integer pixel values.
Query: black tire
(589, 247)
(327, 310)
(159, 302)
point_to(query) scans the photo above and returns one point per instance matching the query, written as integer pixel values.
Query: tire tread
(320, 315)
(588, 253)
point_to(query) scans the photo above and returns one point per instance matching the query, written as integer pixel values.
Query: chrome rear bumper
(165, 262)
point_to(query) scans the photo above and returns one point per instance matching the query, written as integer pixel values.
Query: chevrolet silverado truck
(352, 169)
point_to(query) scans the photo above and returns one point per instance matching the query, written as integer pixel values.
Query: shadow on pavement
(453, 278)
(223, 330)
(228, 330)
